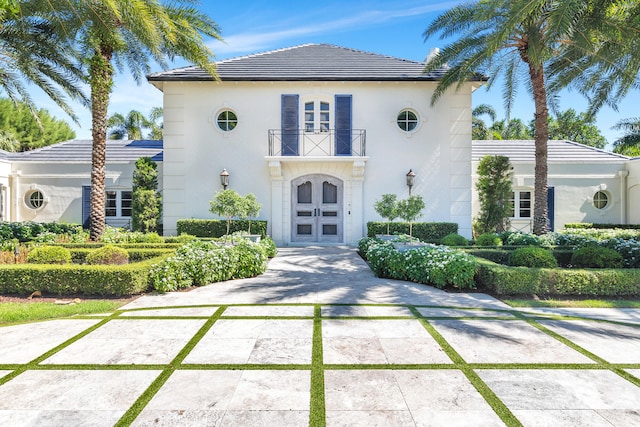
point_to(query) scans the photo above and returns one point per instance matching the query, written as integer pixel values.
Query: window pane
(329, 229)
(304, 229)
(110, 204)
(125, 203)
(309, 117)
(304, 193)
(329, 193)
(600, 200)
(525, 204)
(36, 200)
(227, 120)
(407, 120)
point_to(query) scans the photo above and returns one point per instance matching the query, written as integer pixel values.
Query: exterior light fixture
(224, 179)
(411, 178)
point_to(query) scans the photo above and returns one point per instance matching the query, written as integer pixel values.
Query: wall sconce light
(224, 179)
(411, 178)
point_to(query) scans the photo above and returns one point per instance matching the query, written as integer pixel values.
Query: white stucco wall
(195, 150)
(633, 192)
(575, 185)
(5, 194)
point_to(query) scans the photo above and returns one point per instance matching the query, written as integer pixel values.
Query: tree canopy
(629, 143)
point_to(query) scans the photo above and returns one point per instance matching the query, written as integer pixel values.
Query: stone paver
(380, 365)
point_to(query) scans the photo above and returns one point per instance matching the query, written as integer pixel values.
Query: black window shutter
(343, 125)
(551, 206)
(289, 125)
(86, 206)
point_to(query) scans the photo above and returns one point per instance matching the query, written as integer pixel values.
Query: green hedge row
(218, 228)
(503, 280)
(430, 232)
(105, 280)
(501, 256)
(602, 226)
(89, 245)
(79, 255)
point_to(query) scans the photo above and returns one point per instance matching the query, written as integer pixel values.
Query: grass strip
(132, 413)
(18, 312)
(567, 303)
(317, 409)
(489, 396)
(398, 367)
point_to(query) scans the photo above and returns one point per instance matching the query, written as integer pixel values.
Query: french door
(317, 209)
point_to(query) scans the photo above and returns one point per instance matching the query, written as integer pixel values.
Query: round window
(407, 120)
(600, 200)
(227, 120)
(35, 199)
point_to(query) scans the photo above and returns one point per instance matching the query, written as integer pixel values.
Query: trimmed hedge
(79, 255)
(218, 228)
(602, 226)
(430, 232)
(127, 246)
(503, 280)
(501, 256)
(103, 280)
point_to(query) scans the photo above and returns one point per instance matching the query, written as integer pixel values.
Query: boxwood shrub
(488, 239)
(454, 239)
(49, 255)
(431, 232)
(532, 256)
(218, 228)
(108, 254)
(596, 257)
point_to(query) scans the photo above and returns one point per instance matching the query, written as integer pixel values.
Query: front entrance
(316, 209)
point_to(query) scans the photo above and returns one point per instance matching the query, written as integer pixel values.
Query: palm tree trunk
(541, 138)
(101, 78)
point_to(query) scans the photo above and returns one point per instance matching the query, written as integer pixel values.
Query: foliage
(121, 235)
(49, 255)
(410, 209)
(607, 226)
(251, 209)
(511, 129)
(596, 257)
(217, 228)
(29, 131)
(629, 143)
(387, 208)
(571, 126)
(29, 231)
(511, 238)
(454, 239)
(503, 280)
(365, 243)
(479, 129)
(488, 239)
(108, 254)
(146, 202)
(199, 263)
(228, 204)
(79, 255)
(132, 125)
(431, 232)
(494, 192)
(439, 266)
(182, 238)
(19, 312)
(532, 256)
(270, 247)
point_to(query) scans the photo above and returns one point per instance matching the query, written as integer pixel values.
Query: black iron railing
(329, 143)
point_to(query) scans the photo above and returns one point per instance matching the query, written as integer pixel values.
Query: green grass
(18, 312)
(570, 303)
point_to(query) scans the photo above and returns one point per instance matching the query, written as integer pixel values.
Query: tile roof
(79, 151)
(309, 62)
(558, 151)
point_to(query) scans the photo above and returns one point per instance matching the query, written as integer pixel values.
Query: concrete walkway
(318, 340)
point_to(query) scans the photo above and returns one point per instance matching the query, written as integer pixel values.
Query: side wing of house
(319, 149)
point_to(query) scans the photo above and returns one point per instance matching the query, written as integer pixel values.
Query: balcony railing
(329, 143)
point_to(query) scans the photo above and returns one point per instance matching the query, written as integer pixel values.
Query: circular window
(227, 120)
(407, 120)
(35, 199)
(600, 200)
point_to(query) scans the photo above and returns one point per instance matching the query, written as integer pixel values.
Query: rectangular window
(324, 117)
(125, 203)
(118, 203)
(309, 116)
(111, 203)
(520, 204)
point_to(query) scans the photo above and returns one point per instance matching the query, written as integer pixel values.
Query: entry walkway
(318, 340)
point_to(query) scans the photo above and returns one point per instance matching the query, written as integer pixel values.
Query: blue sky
(387, 27)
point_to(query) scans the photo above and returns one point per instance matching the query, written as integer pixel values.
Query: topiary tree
(145, 200)
(387, 208)
(494, 193)
(409, 210)
(228, 204)
(251, 208)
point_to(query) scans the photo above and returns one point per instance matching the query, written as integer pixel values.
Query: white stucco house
(318, 133)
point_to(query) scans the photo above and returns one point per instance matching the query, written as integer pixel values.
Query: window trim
(29, 201)
(313, 119)
(406, 121)
(516, 205)
(118, 205)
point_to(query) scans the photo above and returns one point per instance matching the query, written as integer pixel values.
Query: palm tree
(501, 38)
(129, 127)
(31, 52)
(156, 128)
(479, 129)
(114, 34)
(629, 144)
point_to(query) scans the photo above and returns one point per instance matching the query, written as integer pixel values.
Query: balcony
(327, 143)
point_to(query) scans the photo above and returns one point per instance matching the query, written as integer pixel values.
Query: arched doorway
(316, 209)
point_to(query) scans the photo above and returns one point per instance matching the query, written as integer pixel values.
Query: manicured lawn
(21, 312)
(569, 303)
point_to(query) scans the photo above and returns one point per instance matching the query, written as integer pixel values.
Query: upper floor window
(407, 120)
(520, 204)
(227, 120)
(118, 203)
(316, 116)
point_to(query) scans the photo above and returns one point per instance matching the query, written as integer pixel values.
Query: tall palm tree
(629, 144)
(31, 52)
(155, 115)
(114, 34)
(506, 38)
(129, 127)
(479, 129)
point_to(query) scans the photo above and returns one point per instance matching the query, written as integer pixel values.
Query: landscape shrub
(218, 228)
(182, 239)
(596, 257)
(79, 255)
(108, 254)
(488, 239)
(270, 247)
(580, 225)
(431, 232)
(29, 231)
(49, 255)
(511, 238)
(365, 243)
(532, 256)
(454, 239)
(628, 249)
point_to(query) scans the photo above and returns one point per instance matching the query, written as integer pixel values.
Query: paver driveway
(318, 340)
